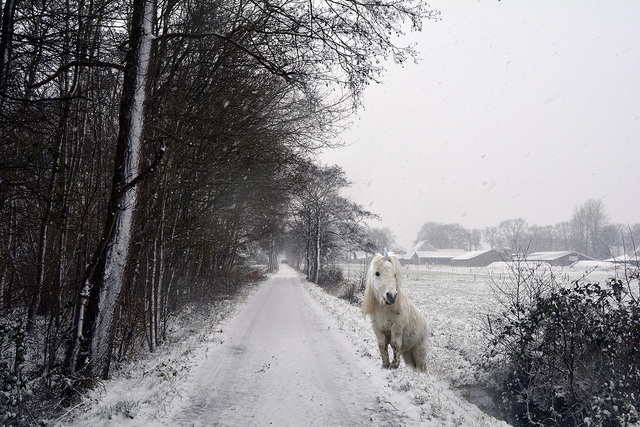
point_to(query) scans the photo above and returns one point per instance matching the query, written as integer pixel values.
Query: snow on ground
(284, 362)
(146, 389)
(235, 368)
(229, 365)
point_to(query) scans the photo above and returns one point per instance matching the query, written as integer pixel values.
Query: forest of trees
(588, 231)
(149, 149)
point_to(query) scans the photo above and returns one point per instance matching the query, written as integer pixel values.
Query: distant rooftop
(471, 254)
(551, 256)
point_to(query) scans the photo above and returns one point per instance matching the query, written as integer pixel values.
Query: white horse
(396, 321)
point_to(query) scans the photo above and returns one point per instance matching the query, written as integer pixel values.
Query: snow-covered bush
(124, 408)
(571, 356)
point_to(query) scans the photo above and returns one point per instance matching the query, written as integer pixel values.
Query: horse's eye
(377, 273)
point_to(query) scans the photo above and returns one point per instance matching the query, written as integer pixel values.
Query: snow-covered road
(283, 361)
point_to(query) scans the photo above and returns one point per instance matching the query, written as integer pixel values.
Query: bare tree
(562, 232)
(446, 236)
(492, 237)
(587, 225)
(542, 238)
(475, 239)
(380, 238)
(514, 231)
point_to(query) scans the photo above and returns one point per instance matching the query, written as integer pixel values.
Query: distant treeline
(589, 232)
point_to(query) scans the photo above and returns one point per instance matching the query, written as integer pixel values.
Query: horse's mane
(371, 301)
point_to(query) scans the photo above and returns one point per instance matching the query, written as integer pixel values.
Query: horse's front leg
(396, 345)
(383, 343)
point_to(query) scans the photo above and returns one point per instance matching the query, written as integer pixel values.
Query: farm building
(625, 259)
(425, 253)
(561, 258)
(360, 256)
(437, 257)
(411, 257)
(478, 258)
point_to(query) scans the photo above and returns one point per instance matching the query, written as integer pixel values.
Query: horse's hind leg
(408, 358)
(419, 354)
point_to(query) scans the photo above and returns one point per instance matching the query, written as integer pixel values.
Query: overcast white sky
(518, 109)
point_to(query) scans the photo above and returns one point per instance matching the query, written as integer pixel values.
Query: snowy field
(454, 301)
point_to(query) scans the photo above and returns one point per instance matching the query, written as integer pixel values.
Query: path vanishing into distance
(283, 361)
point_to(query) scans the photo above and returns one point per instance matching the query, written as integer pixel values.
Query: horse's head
(384, 278)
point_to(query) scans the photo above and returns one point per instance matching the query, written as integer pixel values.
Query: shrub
(353, 293)
(227, 285)
(570, 357)
(355, 285)
(330, 277)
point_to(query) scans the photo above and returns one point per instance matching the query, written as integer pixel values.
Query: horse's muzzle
(390, 298)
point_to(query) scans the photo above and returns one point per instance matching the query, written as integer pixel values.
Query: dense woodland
(150, 150)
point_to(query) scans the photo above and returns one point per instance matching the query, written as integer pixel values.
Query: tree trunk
(152, 298)
(159, 274)
(105, 275)
(309, 251)
(124, 196)
(273, 261)
(6, 44)
(40, 271)
(44, 224)
(316, 274)
(167, 292)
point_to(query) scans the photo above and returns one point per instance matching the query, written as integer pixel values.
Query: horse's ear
(386, 254)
